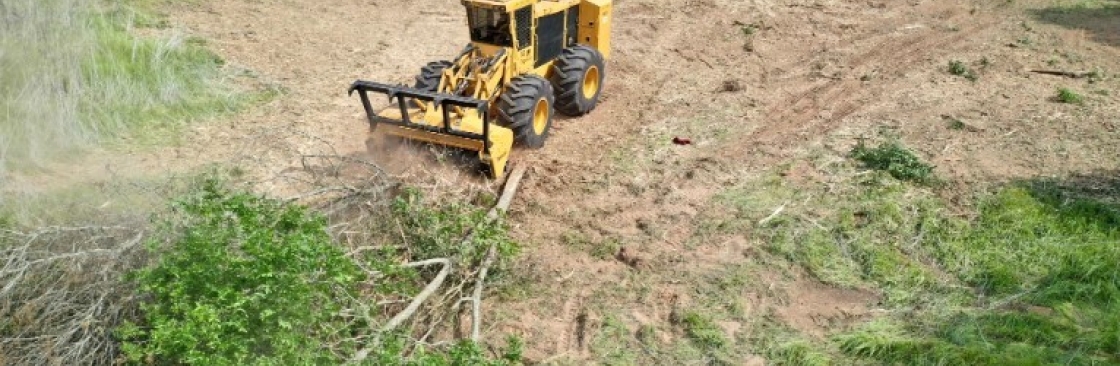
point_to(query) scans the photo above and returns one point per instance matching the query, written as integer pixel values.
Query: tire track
(821, 108)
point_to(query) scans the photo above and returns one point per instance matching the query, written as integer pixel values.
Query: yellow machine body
(508, 39)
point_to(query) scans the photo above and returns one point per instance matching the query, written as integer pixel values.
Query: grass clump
(611, 345)
(782, 345)
(895, 159)
(1065, 95)
(702, 331)
(958, 68)
(799, 352)
(81, 76)
(958, 124)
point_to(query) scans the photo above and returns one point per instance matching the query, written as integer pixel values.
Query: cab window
(490, 26)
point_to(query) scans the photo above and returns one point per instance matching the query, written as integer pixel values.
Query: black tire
(428, 80)
(568, 74)
(517, 108)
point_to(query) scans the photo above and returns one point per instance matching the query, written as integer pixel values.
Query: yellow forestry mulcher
(527, 59)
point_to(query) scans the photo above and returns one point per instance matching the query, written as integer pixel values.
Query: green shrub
(959, 69)
(1068, 96)
(800, 353)
(896, 160)
(241, 280)
(956, 124)
(436, 230)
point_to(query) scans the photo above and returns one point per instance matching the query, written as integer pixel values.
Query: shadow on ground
(1092, 197)
(1101, 19)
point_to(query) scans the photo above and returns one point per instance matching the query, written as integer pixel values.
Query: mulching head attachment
(438, 118)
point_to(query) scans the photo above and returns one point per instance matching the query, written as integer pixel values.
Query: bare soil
(811, 78)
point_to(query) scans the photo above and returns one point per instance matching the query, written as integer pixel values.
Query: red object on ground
(682, 141)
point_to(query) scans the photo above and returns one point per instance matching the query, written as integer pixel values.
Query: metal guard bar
(441, 99)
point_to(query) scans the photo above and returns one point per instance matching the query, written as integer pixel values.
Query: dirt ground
(810, 78)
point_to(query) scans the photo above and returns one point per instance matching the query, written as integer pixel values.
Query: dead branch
(1068, 74)
(374, 167)
(322, 191)
(454, 293)
(503, 205)
(430, 289)
(772, 215)
(53, 307)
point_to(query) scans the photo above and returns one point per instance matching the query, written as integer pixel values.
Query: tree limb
(773, 215)
(428, 290)
(1069, 74)
(503, 205)
(415, 304)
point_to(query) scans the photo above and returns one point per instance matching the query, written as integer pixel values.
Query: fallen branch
(374, 167)
(322, 191)
(1069, 74)
(814, 222)
(772, 215)
(92, 252)
(428, 290)
(503, 205)
(504, 201)
(415, 304)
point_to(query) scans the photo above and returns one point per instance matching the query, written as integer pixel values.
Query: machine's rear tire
(578, 79)
(527, 108)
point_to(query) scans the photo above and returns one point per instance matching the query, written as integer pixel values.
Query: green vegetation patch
(867, 232)
(702, 331)
(1048, 264)
(896, 159)
(958, 68)
(244, 280)
(435, 230)
(1065, 95)
(1033, 278)
(236, 278)
(1023, 236)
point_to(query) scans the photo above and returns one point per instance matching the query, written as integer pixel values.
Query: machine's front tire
(428, 80)
(527, 108)
(578, 79)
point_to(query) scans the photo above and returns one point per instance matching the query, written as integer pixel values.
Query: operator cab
(537, 31)
(490, 26)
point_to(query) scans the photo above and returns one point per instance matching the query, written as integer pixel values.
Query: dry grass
(75, 72)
